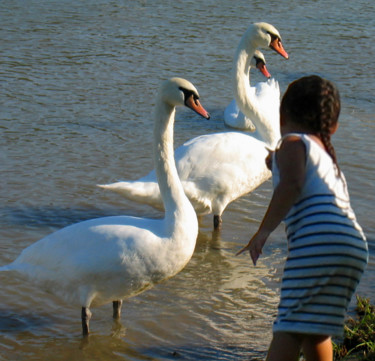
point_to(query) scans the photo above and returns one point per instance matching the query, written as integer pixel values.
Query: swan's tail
(138, 191)
(6, 268)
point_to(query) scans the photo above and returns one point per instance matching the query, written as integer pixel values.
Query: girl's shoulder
(291, 140)
(290, 137)
(307, 138)
(290, 151)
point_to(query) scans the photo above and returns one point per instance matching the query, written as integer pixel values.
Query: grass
(359, 334)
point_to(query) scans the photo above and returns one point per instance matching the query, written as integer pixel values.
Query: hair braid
(329, 112)
(315, 103)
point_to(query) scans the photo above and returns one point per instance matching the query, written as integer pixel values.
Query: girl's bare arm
(291, 161)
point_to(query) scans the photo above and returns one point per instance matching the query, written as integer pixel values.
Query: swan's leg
(217, 221)
(86, 316)
(117, 309)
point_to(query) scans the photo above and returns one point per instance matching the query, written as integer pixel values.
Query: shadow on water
(203, 352)
(59, 217)
(33, 328)
(22, 321)
(186, 352)
(56, 217)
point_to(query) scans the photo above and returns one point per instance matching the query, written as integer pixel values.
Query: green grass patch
(359, 334)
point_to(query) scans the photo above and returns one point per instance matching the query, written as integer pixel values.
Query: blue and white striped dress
(327, 250)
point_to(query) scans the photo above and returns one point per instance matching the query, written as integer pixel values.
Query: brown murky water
(77, 86)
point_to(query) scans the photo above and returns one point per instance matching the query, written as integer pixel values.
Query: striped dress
(327, 250)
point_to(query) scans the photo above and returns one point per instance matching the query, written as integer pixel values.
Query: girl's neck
(288, 128)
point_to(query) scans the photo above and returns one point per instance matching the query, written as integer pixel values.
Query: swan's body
(209, 185)
(262, 93)
(108, 259)
(266, 95)
(216, 169)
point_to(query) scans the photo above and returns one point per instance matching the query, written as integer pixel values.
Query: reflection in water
(15, 321)
(203, 312)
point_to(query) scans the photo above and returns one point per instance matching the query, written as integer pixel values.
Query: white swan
(263, 93)
(108, 259)
(216, 169)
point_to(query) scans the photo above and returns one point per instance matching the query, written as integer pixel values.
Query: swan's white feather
(233, 164)
(108, 259)
(266, 97)
(216, 169)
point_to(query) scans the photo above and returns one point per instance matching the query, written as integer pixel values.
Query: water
(78, 81)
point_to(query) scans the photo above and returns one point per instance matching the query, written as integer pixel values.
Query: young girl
(327, 250)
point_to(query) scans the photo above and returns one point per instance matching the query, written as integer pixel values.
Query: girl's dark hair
(315, 103)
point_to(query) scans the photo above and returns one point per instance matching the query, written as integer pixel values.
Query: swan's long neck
(241, 86)
(176, 204)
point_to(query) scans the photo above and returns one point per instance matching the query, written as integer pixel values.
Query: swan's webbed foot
(85, 316)
(117, 305)
(217, 221)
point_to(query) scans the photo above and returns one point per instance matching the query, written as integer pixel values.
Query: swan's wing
(145, 190)
(89, 247)
(201, 201)
(231, 111)
(213, 168)
(267, 95)
(102, 259)
(217, 163)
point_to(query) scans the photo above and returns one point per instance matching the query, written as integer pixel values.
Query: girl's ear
(334, 128)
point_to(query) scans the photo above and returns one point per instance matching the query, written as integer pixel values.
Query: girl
(327, 250)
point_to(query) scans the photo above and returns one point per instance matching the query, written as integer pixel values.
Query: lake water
(78, 80)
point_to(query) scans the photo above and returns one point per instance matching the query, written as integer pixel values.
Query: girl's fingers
(254, 256)
(254, 246)
(242, 250)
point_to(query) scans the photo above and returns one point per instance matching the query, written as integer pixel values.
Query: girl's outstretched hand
(255, 246)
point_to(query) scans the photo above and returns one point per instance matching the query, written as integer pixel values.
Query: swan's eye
(188, 93)
(259, 61)
(273, 36)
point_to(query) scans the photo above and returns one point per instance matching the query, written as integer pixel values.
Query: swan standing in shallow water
(108, 259)
(216, 169)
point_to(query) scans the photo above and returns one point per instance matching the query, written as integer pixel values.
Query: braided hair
(315, 103)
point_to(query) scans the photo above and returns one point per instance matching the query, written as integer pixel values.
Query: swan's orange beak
(194, 104)
(278, 47)
(263, 69)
